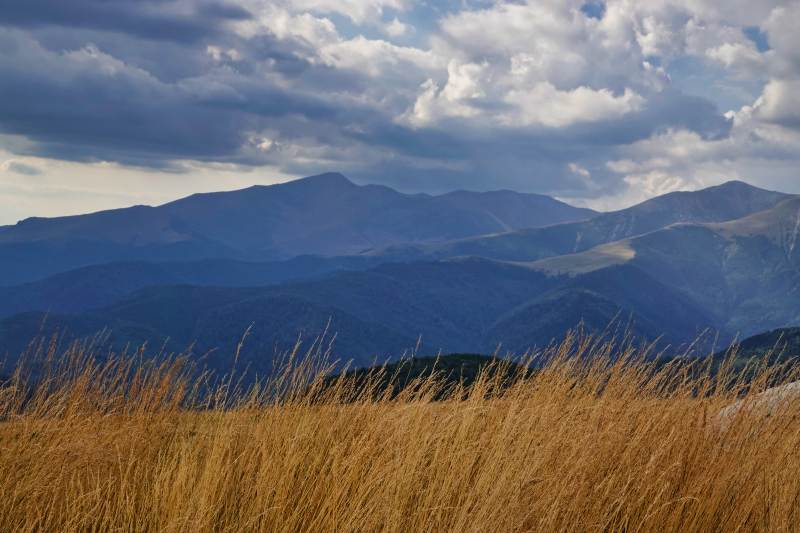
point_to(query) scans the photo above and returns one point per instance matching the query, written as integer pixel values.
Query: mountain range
(388, 273)
(325, 215)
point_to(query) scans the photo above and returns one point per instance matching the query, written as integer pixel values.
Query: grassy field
(607, 445)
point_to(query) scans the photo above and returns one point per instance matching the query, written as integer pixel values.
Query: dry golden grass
(597, 446)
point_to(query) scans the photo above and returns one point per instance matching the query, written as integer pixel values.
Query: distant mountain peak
(735, 185)
(741, 199)
(327, 178)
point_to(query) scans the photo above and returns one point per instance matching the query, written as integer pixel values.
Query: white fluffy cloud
(780, 103)
(543, 64)
(326, 46)
(395, 28)
(741, 58)
(547, 106)
(551, 41)
(781, 27)
(375, 57)
(358, 11)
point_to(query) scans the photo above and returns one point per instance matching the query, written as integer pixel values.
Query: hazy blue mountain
(725, 202)
(323, 215)
(97, 286)
(618, 300)
(383, 312)
(25, 331)
(378, 313)
(214, 334)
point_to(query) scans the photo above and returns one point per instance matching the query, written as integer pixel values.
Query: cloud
(782, 36)
(763, 147)
(464, 96)
(780, 103)
(583, 100)
(18, 167)
(547, 106)
(742, 58)
(151, 19)
(359, 11)
(395, 28)
(86, 104)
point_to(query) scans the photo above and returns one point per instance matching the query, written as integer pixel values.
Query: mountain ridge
(729, 201)
(323, 215)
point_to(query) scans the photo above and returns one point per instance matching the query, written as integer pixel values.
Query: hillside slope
(97, 286)
(745, 273)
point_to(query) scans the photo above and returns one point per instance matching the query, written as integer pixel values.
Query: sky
(111, 103)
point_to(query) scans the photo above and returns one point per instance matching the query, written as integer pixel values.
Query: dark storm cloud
(151, 19)
(85, 102)
(87, 105)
